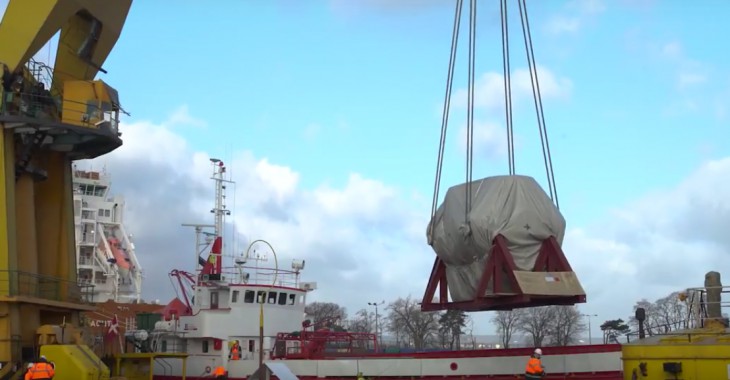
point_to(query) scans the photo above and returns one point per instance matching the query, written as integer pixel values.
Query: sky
(328, 116)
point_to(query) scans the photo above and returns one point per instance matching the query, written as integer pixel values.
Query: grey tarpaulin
(514, 206)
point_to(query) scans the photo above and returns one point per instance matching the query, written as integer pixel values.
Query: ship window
(260, 296)
(249, 296)
(205, 346)
(234, 296)
(164, 346)
(251, 345)
(282, 298)
(292, 299)
(272, 297)
(213, 300)
(107, 213)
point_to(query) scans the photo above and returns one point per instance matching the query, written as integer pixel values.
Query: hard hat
(538, 351)
(30, 365)
(43, 357)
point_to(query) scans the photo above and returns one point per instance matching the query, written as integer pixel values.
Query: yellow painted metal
(86, 103)
(38, 141)
(75, 362)
(140, 366)
(703, 354)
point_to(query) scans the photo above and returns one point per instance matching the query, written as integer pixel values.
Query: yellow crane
(49, 117)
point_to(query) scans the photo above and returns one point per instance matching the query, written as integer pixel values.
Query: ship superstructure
(105, 254)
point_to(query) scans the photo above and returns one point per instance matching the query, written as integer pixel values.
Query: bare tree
(566, 325)
(421, 327)
(508, 322)
(320, 312)
(364, 321)
(535, 322)
(671, 313)
(651, 321)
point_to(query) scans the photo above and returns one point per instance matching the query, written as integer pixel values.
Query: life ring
(208, 369)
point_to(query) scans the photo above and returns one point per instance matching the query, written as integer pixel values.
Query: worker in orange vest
(534, 369)
(220, 373)
(41, 370)
(235, 353)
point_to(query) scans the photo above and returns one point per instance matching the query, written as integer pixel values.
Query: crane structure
(49, 116)
(501, 284)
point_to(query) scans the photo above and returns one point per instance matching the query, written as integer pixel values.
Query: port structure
(49, 116)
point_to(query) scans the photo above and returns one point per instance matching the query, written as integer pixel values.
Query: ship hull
(576, 362)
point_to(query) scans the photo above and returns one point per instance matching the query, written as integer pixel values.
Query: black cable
(470, 109)
(507, 88)
(542, 112)
(447, 106)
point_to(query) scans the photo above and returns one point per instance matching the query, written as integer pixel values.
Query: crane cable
(470, 110)
(547, 158)
(506, 71)
(447, 106)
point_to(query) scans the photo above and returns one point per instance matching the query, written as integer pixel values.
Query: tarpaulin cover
(514, 206)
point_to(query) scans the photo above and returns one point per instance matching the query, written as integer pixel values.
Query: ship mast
(220, 210)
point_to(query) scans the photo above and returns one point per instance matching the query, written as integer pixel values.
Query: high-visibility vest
(234, 353)
(40, 370)
(219, 371)
(534, 366)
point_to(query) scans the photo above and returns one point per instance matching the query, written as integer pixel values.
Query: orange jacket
(219, 371)
(41, 370)
(534, 366)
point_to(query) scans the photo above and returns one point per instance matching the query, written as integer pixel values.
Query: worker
(235, 353)
(360, 376)
(42, 369)
(220, 373)
(27, 371)
(534, 369)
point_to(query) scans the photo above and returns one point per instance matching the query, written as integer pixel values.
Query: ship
(106, 259)
(259, 307)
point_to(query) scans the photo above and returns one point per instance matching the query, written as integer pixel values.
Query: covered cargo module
(507, 245)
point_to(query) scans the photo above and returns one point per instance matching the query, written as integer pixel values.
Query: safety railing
(25, 284)
(41, 105)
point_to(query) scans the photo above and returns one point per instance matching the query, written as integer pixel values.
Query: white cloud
(489, 88)
(365, 240)
(363, 237)
(574, 16)
(689, 72)
(490, 139)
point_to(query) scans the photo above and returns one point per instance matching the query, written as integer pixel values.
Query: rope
(509, 121)
(547, 157)
(470, 109)
(447, 106)
(507, 71)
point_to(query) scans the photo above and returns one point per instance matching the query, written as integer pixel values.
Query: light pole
(377, 318)
(263, 299)
(590, 337)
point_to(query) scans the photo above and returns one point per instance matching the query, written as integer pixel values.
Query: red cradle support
(504, 287)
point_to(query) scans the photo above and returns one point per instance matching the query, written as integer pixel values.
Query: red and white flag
(114, 327)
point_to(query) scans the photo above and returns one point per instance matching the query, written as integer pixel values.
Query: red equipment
(316, 343)
(499, 276)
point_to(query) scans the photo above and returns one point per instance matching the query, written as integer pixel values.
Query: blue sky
(341, 87)
(301, 95)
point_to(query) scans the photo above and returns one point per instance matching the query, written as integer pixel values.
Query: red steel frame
(498, 272)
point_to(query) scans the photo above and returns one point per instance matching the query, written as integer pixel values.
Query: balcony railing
(25, 284)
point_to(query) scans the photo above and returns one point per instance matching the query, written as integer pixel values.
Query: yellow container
(694, 355)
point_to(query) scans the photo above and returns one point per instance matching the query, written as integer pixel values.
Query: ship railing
(263, 276)
(15, 283)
